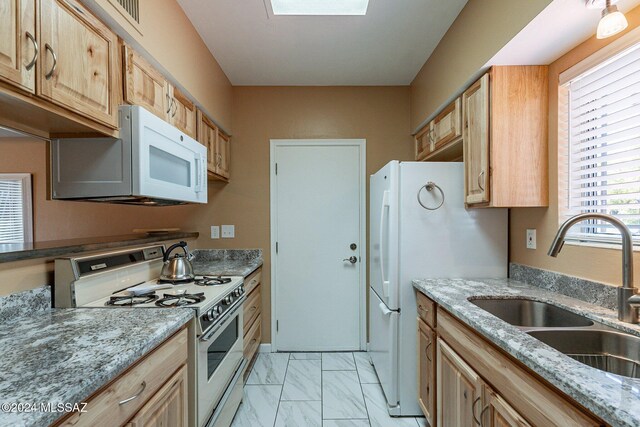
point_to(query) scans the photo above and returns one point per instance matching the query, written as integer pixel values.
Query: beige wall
(379, 114)
(170, 38)
(478, 33)
(598, 264)
(59, 220)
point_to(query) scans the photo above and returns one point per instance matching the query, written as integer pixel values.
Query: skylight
(319, 7)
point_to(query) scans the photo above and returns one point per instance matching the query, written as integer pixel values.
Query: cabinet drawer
(252, 280)
(252, 308)
(252, 339)
(426, 310)
(143, 380)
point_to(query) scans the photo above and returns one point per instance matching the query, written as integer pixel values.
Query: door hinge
(277, 325)
(276, 247)
(276, 169)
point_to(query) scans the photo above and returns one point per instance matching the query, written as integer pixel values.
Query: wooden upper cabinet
(207, 135)
(447, 126)
(459, 389)
(506, 138)
(144, 85)
(223, 155)
(182, 112)
(18, 45)
(476, 141)
(426, 371)
(78, 61)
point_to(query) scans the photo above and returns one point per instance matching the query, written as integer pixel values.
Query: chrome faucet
(628, 298)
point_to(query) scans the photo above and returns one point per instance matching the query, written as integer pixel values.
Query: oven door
(167, 163)
(219, 356)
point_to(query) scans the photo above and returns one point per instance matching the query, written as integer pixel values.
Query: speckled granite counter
(65, 355)
(614, 398)
(226, 262)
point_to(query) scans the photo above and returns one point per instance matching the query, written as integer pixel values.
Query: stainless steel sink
(531, 314)
(614, 352)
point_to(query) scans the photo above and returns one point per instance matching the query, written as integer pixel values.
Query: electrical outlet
(215, 232)
(228, 231)
(531, 238)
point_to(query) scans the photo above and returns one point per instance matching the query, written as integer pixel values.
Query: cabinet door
(18, 54)
(458, 389)
(182, 113)
(207, 135)
(78, 64)
(168, 407)
(223, 155)
(423, 142)
(144, 85)
(497, 412)
(475, 101)
(447, 126)
(426, 371)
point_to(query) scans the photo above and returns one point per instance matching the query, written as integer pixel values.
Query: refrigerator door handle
(384, 309)
(384, 208)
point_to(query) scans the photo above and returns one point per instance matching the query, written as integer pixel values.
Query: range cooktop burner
(168, 300)
(212, 281)
(175, 282)
(128, 301)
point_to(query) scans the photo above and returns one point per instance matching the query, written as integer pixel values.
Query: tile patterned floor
(315, 390)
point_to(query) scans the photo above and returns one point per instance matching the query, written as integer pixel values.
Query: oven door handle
(223, 320)
(227, 393)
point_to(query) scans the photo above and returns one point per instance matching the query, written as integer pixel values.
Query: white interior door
(317, 214)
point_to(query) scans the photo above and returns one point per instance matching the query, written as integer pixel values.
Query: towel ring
(429, 186)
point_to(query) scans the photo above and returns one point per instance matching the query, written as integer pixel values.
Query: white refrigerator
(409, 241)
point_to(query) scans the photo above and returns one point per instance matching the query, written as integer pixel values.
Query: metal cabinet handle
(480, 180)
(55, 61)
(169, 103)
(254, 308)
(426, 351)
(135, 396)
(351, 259)
(175, 110)
(219, 160)
(473, 411)
(36, 50)
(482, 415)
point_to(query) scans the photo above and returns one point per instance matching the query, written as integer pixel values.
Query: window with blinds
(602, 154)
(15, 208)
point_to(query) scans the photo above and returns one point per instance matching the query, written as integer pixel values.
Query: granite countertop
(65, 355)
(613, 398)
(226, 262)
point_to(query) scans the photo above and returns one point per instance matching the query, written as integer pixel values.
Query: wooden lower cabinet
(168, 407)
(426, 370)
(252, 319)
(459, 388)
(476, 384)
(153, 392)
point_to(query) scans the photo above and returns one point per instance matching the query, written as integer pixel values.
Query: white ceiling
(557, 29)
(388, 46)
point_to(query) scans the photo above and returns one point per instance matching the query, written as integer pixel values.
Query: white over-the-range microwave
(152, 163)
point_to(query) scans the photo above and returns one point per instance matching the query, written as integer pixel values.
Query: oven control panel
(211, 316)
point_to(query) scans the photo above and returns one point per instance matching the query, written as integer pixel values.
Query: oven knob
(237, 293)
(217, 309)
(211, 315)
(227, 300)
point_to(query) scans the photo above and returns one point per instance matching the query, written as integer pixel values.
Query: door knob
(351, 259)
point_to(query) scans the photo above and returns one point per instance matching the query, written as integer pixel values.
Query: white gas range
(128, 278)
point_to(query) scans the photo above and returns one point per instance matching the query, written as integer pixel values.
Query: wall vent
(132, 8)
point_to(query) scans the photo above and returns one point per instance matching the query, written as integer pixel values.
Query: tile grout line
(321, 393)
(281, 390)
(364, 399)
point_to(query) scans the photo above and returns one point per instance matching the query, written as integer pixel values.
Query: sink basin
(531, 314)
(609, 351)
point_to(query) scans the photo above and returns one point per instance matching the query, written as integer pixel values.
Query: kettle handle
(181, 244)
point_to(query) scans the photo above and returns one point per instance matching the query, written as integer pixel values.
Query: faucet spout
(627, 298)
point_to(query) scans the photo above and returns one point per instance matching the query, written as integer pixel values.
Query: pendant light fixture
(612, 21)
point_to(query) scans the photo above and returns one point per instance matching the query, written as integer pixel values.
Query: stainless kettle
(177, 268)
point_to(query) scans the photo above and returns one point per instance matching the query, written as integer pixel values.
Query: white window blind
(15, 208)
(603, 153)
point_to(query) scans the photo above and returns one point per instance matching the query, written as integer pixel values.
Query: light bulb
(612, 22)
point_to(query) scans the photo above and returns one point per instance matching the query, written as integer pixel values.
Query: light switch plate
(215, 232)
(228, 231)
(531, 238)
